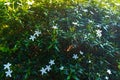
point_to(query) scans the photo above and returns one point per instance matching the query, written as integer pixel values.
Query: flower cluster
(55, 27)
(8, 72)
(75, 56)
(99, 33)
(30, 2)
(36, 34)
(109, 72)
(47, 68)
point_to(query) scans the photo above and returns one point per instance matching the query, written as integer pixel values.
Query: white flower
(7, 3)
(48, 68)
(8, 73)
(61, 68)
(109, 71)
(52, 62)
(75, 56)
(7, 66)
(81, 53)
(106, 78)
(55, 27)
(89, 61)
(37, 33)
(99, 33)
(30, 2)
(32, 37)
(43, 71)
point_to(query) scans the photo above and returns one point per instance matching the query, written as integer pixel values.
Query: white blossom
(43, 71)
(109, 71)
(99, 33)
(75, 56)
(106, 77)
(7, 66)
(32, 37)
(55, 27)
(30, 2)
(37, 33)
(61, 68)
(89, 61)
(7, 3)
(51, 62)
(48, 68)
(8, 73)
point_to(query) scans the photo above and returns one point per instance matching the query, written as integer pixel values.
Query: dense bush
(75, 40)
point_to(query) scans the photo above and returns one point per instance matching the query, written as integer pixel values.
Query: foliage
(67, 27)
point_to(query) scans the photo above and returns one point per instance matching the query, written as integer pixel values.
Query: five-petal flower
(52, 62)
(37, 33)
(32, 37)
(7, 66)
(43, 71)
(75, 56)
(48, 68)
(8, 73)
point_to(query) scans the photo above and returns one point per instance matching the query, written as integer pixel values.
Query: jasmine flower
(55, 27)
(52, 62)
(32, 37)
(7, 66)
(75, 56)
(106, 78)
(43, 71)
(99, 33)
(109, 71)
(48, 68)
(37, 33)
(89, 61)
(30, 2)
(8, 73)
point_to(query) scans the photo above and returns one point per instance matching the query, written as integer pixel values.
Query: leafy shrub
(81, 38)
